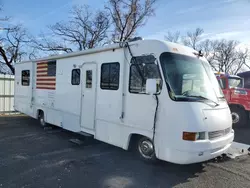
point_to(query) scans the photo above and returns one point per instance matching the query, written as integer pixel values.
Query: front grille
(217, 134)
(227, 131)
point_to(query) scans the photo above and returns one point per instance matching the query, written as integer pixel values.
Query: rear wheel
(41, 119)
(145, 149)
(239, 116)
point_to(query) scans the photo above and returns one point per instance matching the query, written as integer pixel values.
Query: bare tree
(193, 38)
(173, 37)
(224, 55)
(208, 48)
(230, 58)
(47, 44)
(84, 30)
(128, 16)
(242, 57)
(12, 46)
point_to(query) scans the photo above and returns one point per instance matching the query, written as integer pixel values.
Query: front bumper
(215, 149)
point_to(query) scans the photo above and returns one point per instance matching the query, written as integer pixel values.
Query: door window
(89, 79)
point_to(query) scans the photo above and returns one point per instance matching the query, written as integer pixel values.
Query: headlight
(200, 136)
(240, 92)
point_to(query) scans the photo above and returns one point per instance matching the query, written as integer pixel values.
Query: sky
(228, 19)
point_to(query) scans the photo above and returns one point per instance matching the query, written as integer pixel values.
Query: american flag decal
(46, 75)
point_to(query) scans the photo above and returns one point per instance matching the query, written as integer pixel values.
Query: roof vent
(134, 39)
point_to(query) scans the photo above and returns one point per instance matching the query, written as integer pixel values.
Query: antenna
(199, 54)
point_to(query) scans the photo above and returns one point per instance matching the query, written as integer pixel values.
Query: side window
(141, 69)
(110, 73)
(89, 79)
(25, 78)
(51, 68)
(75, 76)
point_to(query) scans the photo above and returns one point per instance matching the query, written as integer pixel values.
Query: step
(85, 134)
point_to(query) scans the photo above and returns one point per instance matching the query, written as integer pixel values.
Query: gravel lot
(33, 157)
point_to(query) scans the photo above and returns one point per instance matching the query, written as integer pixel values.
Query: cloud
(226, 35)
(191, 9)
(55, 10)
(244, 45)
(240, 35)
(158, 35)
(229, 1)
(16, 21)
(204, 6)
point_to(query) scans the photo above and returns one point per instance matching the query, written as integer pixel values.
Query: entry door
(88, 96)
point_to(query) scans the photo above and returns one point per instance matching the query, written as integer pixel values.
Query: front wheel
(239, 116)
(145, 150)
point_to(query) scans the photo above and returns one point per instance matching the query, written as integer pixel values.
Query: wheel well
(133, 138)
(39, 112)
(240, 107)
(236, 106)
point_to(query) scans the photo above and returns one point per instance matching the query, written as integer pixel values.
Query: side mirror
(151, 86)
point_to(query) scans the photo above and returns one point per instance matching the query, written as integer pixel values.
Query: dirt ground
(33, 157)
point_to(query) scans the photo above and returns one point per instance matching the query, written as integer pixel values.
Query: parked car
(237, 97)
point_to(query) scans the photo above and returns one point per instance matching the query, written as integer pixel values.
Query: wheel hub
(42, 121)
(146, 148)
(235, 117)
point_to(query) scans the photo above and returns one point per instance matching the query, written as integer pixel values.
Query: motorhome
(159, 98)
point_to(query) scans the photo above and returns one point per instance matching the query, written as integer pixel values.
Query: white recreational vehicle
(157, 97)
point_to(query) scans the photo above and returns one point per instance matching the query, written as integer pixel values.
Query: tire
(145, 150)
(41, 119)
(239, 116)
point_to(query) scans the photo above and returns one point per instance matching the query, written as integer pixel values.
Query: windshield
(235, 82)
(189, 77)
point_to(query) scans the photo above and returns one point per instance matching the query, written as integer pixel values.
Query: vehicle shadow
(162, 174)
(97, 165)
(242, 134)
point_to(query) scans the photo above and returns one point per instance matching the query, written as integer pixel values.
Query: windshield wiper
(203, 98)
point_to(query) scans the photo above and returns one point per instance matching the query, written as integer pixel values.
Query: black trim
(74, 84)
(110, 88)
(90, 79)
(28, 77)
(166, 81)
(159, 71)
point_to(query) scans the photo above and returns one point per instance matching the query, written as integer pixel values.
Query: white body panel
(112, 116)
